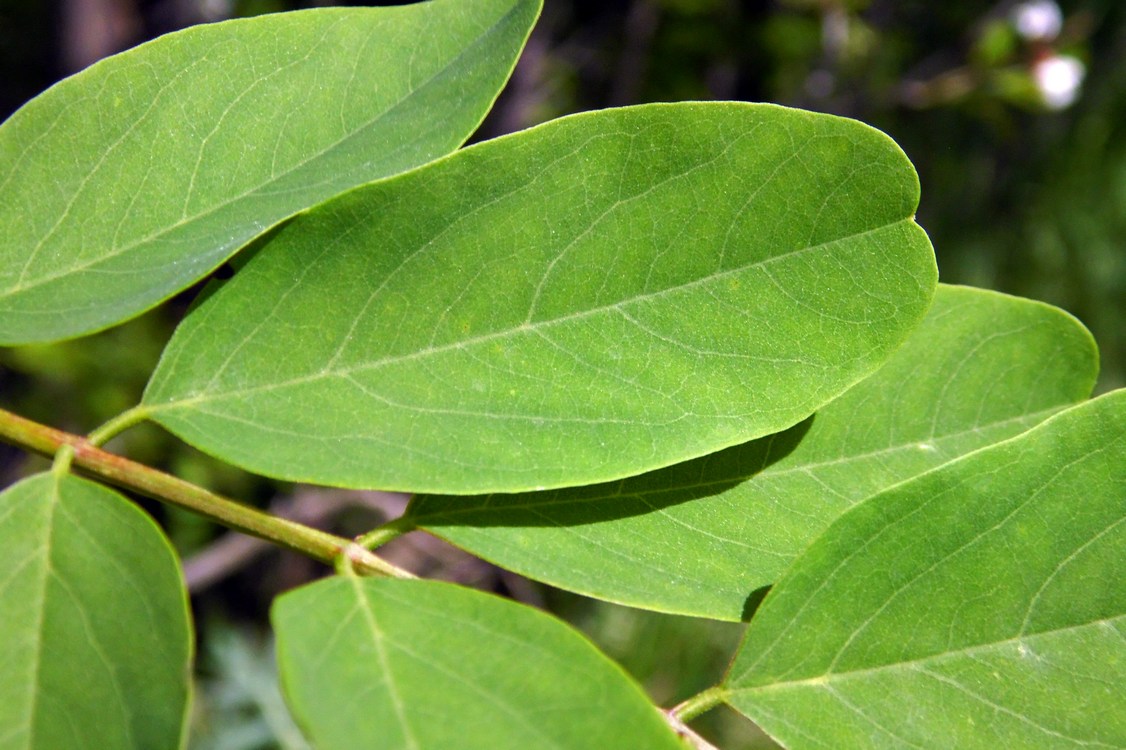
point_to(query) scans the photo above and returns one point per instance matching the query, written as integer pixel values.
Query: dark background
(1018, 196)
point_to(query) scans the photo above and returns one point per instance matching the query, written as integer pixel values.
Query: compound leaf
(96, 639)
(422, 665)
(603, 295)
(978, 606)
(700, 537)
(131, 180)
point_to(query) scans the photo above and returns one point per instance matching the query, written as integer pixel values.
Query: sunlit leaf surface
(422, 665)
(96, 639)
(702, 537)
(978, 606)
(134, 178)
(603, 295)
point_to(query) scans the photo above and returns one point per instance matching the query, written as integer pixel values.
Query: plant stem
(63, 459)
(117, 425)
(693, 740)
(130, 475)
(699, 703)
(384, 533)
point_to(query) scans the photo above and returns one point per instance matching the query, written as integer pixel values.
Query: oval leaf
(698, 275)
(134, 178)
(978, 606)
(701, 537)
(420, 665)
(96, 636)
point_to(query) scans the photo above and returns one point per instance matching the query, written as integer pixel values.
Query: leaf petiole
(698, 704)
(384, 533)
(63, 459)
(118, 425)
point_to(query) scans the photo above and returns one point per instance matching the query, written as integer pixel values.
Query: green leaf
(96, 643)
(602, 295)
(420, 664)
(700, 537)
(131, 180)
(978, 606)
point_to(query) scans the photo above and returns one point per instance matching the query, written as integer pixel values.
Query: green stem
(117, 425)
(349, 559)
(384, 533)
(130, 475)
(699, 703)
(63, 459)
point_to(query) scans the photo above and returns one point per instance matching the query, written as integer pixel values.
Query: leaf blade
(368, 662)
(561, 341)
(1006, 612)
(222, 131)
(700, 538)
(97, 639)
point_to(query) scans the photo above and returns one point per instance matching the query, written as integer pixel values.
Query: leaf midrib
(22, 287)
(41, 610)
(909, 664)
(378, 638)
(535, 327)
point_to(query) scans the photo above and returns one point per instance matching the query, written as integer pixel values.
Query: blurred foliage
(238, 705)
(1019, 194)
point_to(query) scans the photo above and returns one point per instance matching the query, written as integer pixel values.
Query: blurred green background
(1013, 113)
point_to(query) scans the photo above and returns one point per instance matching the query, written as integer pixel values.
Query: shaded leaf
(131, 180)
(420, 664)
(96, 636)
(701, 537)
(702, 274)
(978, 606)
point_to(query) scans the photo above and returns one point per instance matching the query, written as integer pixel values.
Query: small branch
(117, 425)
(698, 704)
(63, 458)
(695, 741)
(679, 715)
(310, 506)
(220, 559)
(384, 533)
(130, 475)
